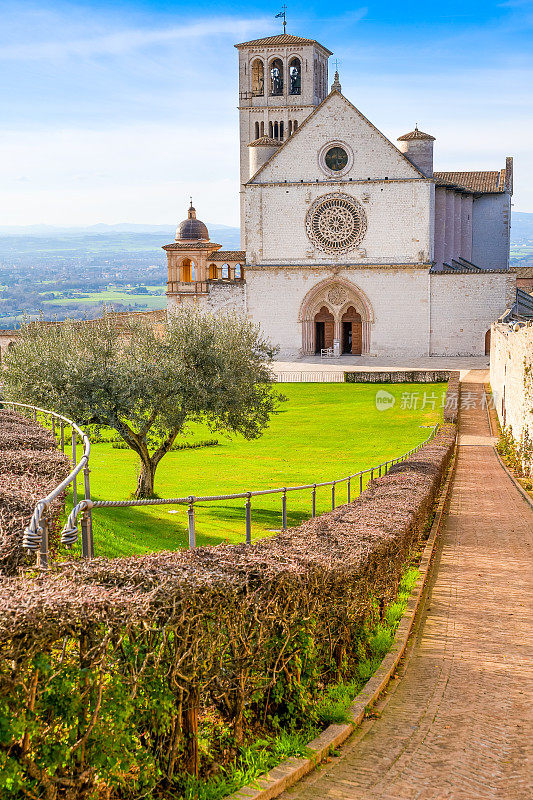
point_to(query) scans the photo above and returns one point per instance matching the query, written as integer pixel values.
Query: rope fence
(36, 536)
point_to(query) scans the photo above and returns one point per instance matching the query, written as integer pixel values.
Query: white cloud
(124, 41)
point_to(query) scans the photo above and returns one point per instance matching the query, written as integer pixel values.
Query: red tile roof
(281, 39)
(264, 140)
(482, 182)
(228, 255)
(416, 134)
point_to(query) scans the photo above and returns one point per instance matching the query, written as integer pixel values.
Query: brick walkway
(457, 724)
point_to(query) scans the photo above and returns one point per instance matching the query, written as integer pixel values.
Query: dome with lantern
(192, 229)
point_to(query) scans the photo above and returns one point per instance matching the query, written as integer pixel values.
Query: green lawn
(323, 432)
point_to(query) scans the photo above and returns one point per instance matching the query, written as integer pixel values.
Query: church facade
(347, 239)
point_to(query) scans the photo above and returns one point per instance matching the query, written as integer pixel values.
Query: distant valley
(72, 272)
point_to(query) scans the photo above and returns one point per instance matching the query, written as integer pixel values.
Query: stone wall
(463, 307)
(491, 231)
(511, 376)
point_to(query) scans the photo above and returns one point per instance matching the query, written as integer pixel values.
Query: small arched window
(187, 270)
(270, 130)
(290, 127)
(238, 272)
(295, 76)
(258, 78)
(281, 130)
(262, 129)
(276, 130)
(295, 125)
(257, 130)
(225, 271)
(212, 272)
(276, 77)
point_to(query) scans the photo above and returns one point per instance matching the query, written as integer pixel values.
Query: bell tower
(282, 79)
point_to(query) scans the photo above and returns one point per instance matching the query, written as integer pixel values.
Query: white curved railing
(36, 534)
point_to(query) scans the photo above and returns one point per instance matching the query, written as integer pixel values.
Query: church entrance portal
(324, 329)
(352, 332)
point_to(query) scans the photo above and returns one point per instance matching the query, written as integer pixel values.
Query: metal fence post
(249, 519)
(35, 415)
(88, 551)
(313, 501)
(360, 483)
(75, 480)
(284, 510)
(372, 474)
(62, 436)
(380, 470)
(192, 531)
(54, 428)
(43, 553)
(333, 496)
(349, 489)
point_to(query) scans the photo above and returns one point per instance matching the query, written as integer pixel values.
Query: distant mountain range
(521, 231)
(521, 228)
(224, 234)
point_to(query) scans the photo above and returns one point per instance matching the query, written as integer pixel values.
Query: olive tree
(148, 381)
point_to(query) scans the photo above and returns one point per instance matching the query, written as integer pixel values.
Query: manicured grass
(323, 432)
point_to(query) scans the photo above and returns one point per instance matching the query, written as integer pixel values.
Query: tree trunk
(145, 482)
(190, 730)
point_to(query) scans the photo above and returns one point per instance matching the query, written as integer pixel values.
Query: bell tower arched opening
(276, 77)
(295, 76)
(258, 78)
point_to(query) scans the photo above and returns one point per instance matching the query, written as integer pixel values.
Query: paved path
(457, 724)
(310, 364)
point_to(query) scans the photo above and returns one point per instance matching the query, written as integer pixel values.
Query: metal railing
(35, 536)
(336, 376)
(69, 534)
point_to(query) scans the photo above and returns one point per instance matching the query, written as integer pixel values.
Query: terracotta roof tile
(416, 134)
(486, 181)
(523, 272)
(228, 255)
(281, 39)
(264, 140)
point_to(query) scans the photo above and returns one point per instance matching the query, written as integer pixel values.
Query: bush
(122, 676)
(26, 476)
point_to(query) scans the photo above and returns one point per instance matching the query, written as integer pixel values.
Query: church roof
(488, 182)
(282, 39)
(228, 255)
(416, 134)
(264, 140)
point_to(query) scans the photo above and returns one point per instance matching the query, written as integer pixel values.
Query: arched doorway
(487, 343)
(324, 329)
(352, 332)
(343, 302)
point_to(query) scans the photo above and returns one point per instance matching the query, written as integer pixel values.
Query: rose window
(336, 223)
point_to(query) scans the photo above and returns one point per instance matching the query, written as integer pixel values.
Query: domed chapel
(346, 236)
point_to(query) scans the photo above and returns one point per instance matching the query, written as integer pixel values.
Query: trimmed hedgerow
(453, 399)
(120, 677)
(26, 476)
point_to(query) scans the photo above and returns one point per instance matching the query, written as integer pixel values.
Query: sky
(117, 112)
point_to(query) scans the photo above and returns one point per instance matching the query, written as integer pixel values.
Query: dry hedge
(118, 662)
(29, 469)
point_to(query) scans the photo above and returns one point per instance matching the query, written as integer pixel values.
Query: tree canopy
(147, 381)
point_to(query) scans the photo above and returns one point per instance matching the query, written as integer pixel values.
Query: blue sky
(116, 112)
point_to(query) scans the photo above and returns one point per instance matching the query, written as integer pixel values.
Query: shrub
(115, 673)
(26, 476)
